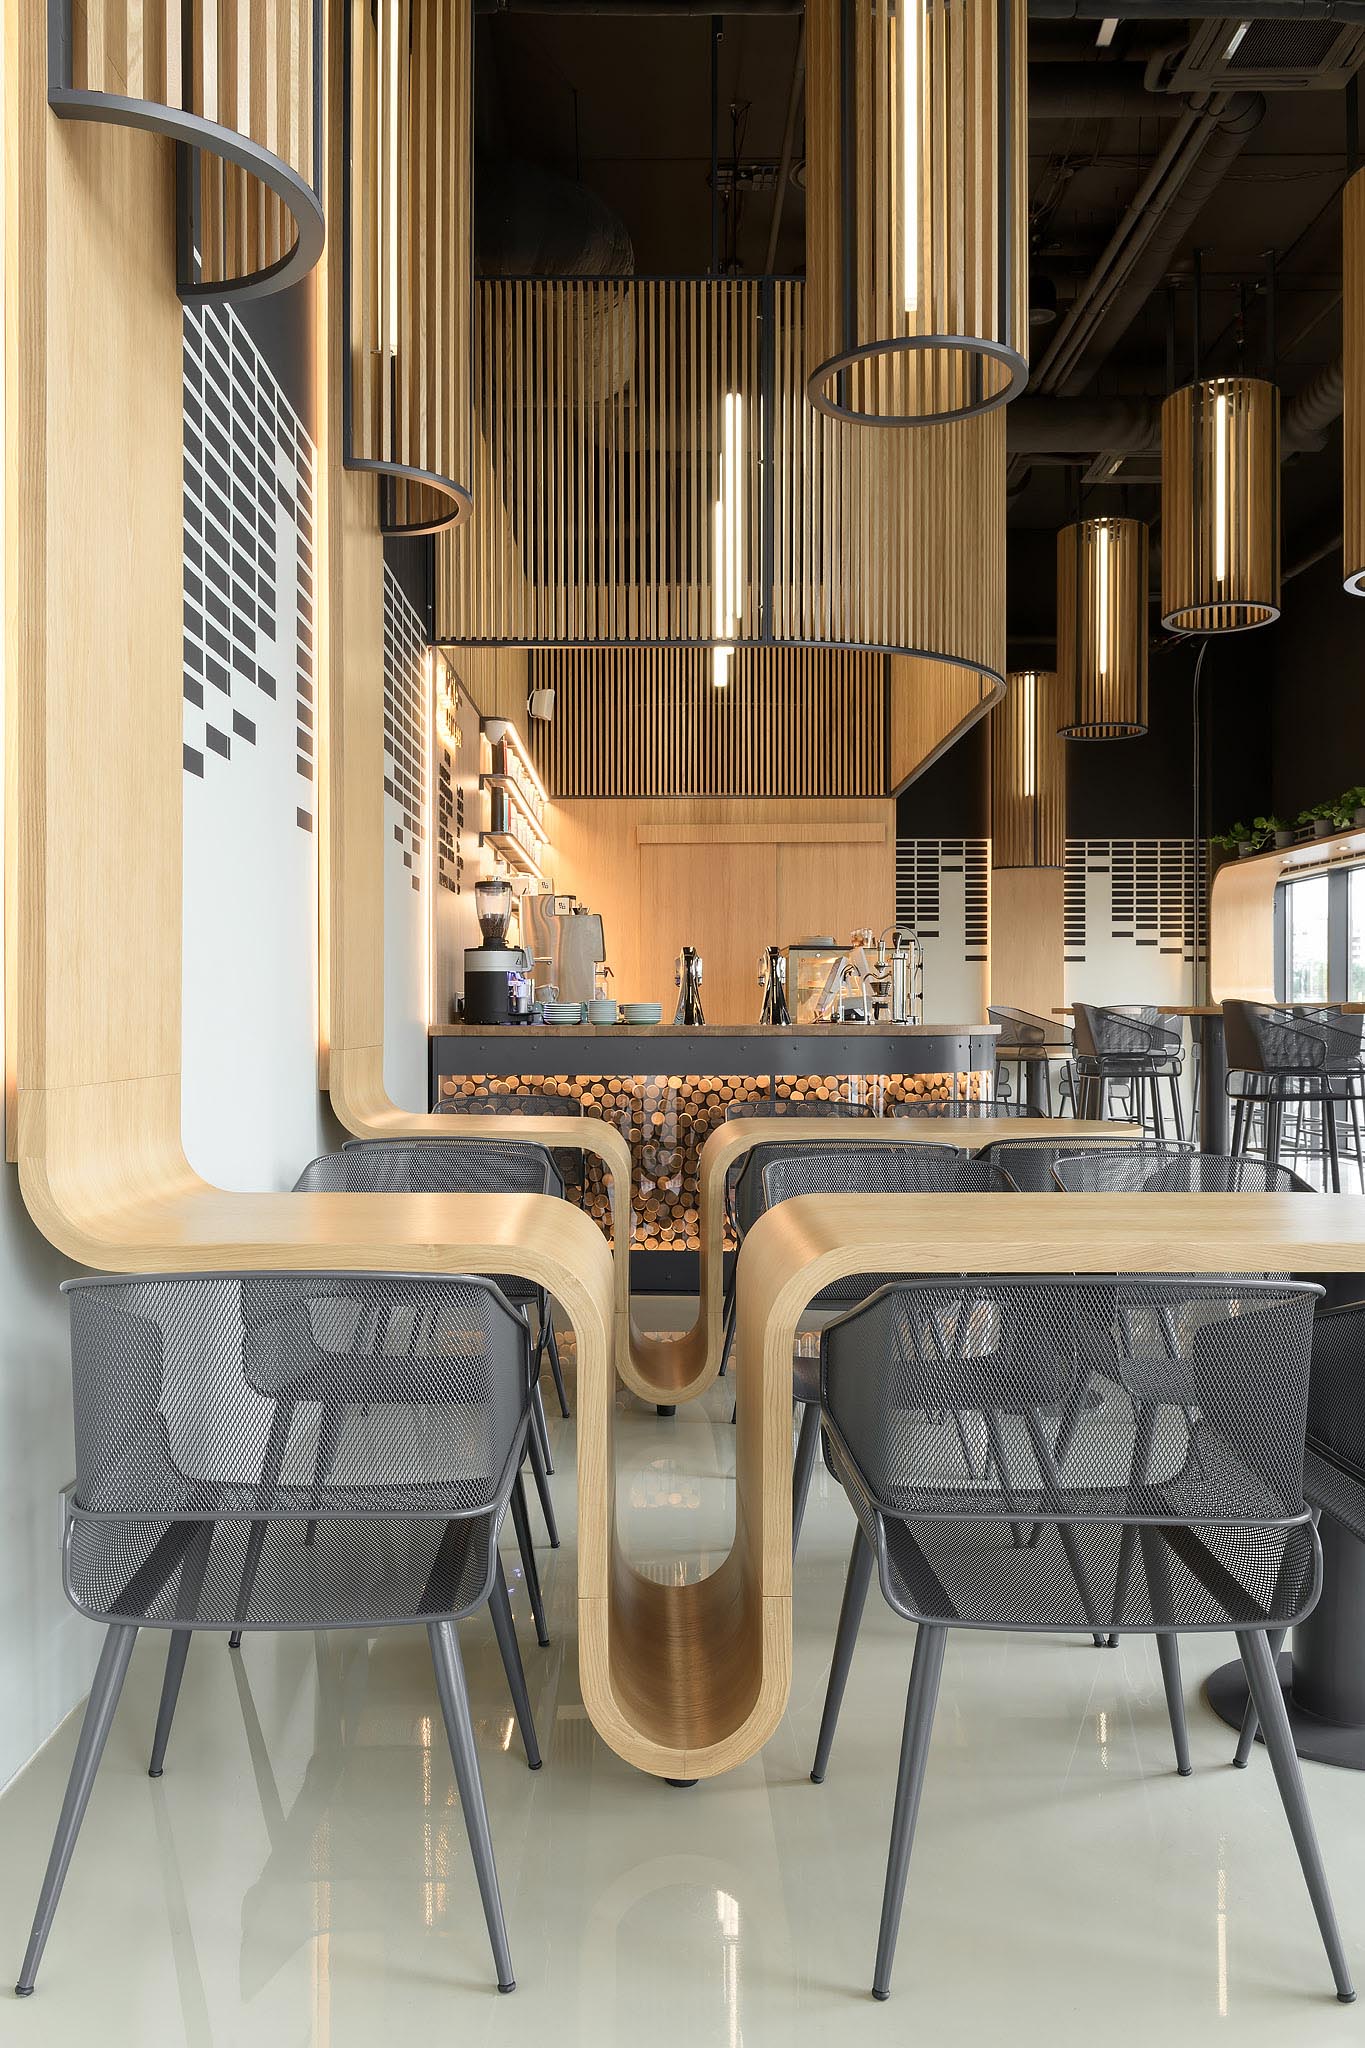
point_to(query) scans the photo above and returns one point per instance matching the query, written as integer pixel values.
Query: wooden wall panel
(650, 721)
(1027, 966)
(233, 79)
(932, 703)
(831, 863)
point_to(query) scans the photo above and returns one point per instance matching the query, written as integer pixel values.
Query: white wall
(943, 893)
(251, 1113)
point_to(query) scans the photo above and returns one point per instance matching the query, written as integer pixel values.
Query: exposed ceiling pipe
(1040, 428)
(1142, 246)
(784, 168)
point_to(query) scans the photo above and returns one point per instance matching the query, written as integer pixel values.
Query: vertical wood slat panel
(880, 540)
(410, 228)
(248, 67)
(648, 721)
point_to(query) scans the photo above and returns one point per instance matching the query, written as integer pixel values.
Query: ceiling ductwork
(1060, 429)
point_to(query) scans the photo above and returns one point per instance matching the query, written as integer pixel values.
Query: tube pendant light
(1102, 628)
(408, 238)
(1028, 772)
(1353, 385)
(916, 208)
(1220, 506)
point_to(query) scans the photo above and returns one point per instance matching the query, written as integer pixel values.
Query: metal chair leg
(186, 1607)
(728, 1328)
(850, 1615)
(552, 1346)
(540, 1426)
(500, 1607)
(1177, 1109)
(920, 1702)
(540, 1472)
(1251, 1720)
(99, 1715)
(1168, 1649)
(454, 1695)
(521, 1522)
(807, 1444)
(1265, 1690)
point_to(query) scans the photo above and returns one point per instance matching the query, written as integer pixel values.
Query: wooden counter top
(701, 1031)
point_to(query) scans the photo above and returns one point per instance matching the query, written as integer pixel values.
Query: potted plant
(1272, 828)
(1353, 800)
(1320, 820)
(1237, 839)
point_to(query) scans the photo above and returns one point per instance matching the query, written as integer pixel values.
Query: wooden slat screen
(598, 408)
(243, 65)
(409, 228)
(649, 721)
(1220, 506)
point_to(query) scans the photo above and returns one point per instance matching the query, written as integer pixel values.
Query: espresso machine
(497, 977)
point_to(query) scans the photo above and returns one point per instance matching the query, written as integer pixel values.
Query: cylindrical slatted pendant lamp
(916, 207)
(1102, 628)
(408, 253)
(1353, 385)
(1220, 506)
(1028, 772)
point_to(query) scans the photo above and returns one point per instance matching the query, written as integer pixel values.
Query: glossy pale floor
(301, 1875)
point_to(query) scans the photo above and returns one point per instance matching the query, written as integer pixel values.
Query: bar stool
(1300, 1065)
(1136, 1047)
(1151, 1520)
(1027, 1043)
(197, 1399)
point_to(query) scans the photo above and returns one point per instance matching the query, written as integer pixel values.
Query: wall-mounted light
(1220, 506)
(916, 207)
(1102, 628)
(1028, 772)
(727, 559)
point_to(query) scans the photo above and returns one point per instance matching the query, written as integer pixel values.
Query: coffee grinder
(497, 977)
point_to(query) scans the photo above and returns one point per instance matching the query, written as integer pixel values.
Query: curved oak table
(668, 1371)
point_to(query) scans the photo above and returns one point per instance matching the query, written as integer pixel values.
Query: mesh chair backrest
(1162, 1169)
(1133, 1033)
(432, 1166)
(1239, 1038)
(1029, 1161)
(786, 1105)
(1203, 1386)
(877, 1170)
(1024, 1028)
(1291, 1044)
(295, 1394)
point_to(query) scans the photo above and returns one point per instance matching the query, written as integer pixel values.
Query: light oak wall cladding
(648, 721)
(728, 878)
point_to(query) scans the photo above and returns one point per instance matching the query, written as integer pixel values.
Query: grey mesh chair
(774, 1106)
(875, 1169)
(1155, 1169)
(1138, 1050)
(199, 1402)
(570, 1160)
(500, 1175)
(1153, 1521)
(1029, 1161)
(1027, 1042)
(458, 1166)
(1334, 1465)
(1308, 1067)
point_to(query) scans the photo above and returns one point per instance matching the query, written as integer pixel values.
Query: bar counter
(666, 1087)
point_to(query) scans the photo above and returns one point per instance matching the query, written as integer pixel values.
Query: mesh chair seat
(359, 1569)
